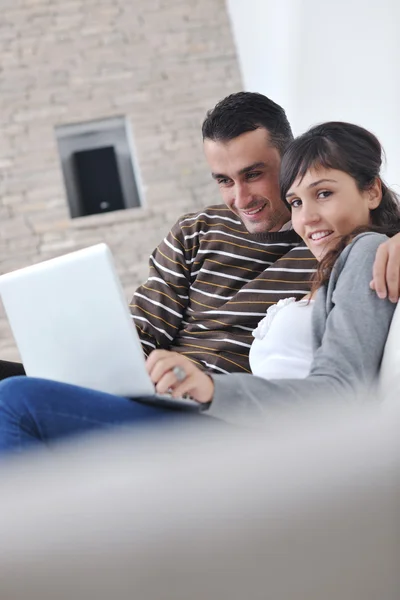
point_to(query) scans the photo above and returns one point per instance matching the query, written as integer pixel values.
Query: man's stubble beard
(278, 219)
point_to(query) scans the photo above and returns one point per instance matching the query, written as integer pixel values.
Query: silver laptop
(71, 323)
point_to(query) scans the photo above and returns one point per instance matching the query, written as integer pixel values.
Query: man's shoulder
(209, 216)
(212, 209)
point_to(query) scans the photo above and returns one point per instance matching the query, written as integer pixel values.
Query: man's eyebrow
(256, 165)
(312, 185)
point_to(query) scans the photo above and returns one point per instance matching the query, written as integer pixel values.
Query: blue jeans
(38, 411)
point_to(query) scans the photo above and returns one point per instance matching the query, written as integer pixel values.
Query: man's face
(247, 172)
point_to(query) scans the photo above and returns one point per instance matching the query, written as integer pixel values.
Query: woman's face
(327, 204)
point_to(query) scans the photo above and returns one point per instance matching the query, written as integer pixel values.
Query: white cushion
(390, 368)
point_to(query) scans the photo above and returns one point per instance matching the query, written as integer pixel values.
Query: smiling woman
(330, 179)
(327, 204)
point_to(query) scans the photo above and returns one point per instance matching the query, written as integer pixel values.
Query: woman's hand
(171, 372)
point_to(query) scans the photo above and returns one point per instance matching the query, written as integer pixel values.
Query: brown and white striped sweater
(210, 283)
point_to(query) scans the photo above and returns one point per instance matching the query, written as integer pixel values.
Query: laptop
(71, 323)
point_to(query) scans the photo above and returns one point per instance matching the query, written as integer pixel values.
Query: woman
(331, 344)
(311, 350)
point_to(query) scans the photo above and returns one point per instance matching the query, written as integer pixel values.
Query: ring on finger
(179, 373)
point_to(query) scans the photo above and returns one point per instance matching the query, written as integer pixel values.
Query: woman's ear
(375, 194)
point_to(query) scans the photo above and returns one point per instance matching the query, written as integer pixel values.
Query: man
(217, 271)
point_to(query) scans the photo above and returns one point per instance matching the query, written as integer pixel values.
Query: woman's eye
(324, 194)
(295, 203)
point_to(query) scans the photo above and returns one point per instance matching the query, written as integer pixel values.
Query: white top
(282, 348)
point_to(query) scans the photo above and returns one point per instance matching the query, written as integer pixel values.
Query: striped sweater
(211, 282)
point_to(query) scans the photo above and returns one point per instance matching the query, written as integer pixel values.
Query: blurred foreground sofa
(308, 510)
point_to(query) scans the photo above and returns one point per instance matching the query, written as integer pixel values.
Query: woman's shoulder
(369, 238)
(355, 264)
(362, 248)
(350, 277)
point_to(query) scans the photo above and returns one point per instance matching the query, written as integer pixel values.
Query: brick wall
(162, 63)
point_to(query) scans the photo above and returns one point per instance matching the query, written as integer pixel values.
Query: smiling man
(249, 186)
(216, 273)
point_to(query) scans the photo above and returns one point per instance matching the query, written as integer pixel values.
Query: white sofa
(390, 369)
(309, 511)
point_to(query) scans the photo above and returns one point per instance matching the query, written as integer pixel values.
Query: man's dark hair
(246, 111)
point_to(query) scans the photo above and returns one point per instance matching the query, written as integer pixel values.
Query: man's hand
(160, 366)
(386, 270)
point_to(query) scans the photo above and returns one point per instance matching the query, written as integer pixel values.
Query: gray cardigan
(350, 326)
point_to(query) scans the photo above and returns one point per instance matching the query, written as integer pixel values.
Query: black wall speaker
(98, 180)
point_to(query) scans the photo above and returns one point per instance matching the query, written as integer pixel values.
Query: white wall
(325, 60)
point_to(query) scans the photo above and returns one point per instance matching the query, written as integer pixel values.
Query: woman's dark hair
(355, 151)
(247, 111)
